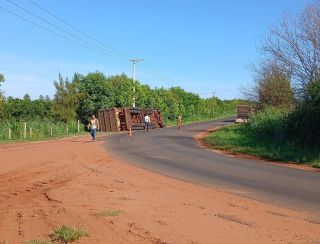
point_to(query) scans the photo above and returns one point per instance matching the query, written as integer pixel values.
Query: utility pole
(134, 62)
(212, 104)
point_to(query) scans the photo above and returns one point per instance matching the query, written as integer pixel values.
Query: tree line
(83, 95)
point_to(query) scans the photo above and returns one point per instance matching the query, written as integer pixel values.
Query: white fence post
(67, 128)
(30, 132)
(78, 126)
(25, 130)
(10, 133)
(51, 132)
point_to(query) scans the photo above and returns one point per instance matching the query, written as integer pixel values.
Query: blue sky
(200, 45)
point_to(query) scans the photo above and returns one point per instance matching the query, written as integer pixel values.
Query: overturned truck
(122, 119)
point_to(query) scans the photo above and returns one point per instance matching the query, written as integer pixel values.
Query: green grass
(37, 130)
(200, 119)
(240, 139)
(66, 234)
(109, 213)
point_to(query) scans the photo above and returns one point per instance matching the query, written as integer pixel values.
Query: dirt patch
(48, 184)
(200, 140)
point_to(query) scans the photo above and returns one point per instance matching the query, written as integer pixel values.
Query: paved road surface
(175, 153)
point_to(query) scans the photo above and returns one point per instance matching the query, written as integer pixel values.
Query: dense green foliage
(303, 125)
(25, 109)
(86, 94)
(98, 92)
(268, 134)
(66, 99)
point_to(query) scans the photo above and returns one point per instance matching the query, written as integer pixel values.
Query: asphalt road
(175, 153)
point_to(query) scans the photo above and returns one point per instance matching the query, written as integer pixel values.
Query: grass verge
(235, 138)
(196, 120)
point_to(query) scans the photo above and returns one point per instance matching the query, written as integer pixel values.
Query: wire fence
(37, 129)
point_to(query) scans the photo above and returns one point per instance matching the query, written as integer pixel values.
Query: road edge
(199, 138)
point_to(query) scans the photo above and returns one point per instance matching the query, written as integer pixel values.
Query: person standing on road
(146, 122)
(179, 121)
(94, 126)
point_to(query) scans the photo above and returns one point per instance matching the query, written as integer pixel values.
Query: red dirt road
(44, 185)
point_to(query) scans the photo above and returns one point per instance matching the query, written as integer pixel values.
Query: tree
(66, 100)
(120, 88)
(95, 94)
(271, 87)
(101, 92)
(27, 97)
(313, 91)
(1, 78)
(295, 45)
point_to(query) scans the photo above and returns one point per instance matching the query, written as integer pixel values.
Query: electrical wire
(113, 52)
(48, 30)
(57, 27)
(157, 72)
(77, 29)
(148, 67)
(65, 22)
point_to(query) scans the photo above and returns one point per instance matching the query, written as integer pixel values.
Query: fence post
(67, 128)
(30, 132)
(25, 130)
(78, 126)
(9, 133)
(51, 131)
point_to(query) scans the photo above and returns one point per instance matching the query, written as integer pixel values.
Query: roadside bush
(304, 126)
(299, 126)
(268, 124)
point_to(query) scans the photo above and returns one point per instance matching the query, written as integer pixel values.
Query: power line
(65, 22)
(153, 72)
(55, 26)
(48, 30)
(148, 67)
(77, 29)
(114, 52)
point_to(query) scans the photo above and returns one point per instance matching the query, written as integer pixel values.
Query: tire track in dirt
(139, 233)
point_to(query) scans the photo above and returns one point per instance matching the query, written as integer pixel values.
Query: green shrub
(304, 125)
(269, 123)
(66, 234)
